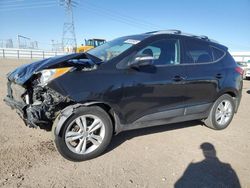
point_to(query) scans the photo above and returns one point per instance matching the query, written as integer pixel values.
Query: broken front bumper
(37, 106)
(14, 99)
(21, 110)
(15, 104)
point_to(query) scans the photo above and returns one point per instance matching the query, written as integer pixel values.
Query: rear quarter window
(197, 51)
(217, 53)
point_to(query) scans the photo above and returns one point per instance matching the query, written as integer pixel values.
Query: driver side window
(164, 52)
(151, 51)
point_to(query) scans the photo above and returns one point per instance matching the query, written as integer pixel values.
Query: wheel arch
(69, 111)
(230, 91)
(233, 93)
(107, 108)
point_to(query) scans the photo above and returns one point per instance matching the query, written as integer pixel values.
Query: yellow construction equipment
(89, 44)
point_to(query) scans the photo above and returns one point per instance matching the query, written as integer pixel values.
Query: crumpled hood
(23, 73)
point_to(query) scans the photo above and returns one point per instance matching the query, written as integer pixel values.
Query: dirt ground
(164, 156)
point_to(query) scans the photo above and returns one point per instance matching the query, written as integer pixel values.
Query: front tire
(85, 134)
(221, 113)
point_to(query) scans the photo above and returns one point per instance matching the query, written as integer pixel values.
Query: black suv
(131, 82)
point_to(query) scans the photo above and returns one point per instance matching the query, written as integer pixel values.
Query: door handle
(218, 76)
(178, 78)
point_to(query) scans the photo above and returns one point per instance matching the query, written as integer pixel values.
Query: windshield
(89, 43)
(113, 48)
(94, 42)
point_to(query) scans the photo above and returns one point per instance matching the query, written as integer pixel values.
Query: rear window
(217, 53)
(197, 52)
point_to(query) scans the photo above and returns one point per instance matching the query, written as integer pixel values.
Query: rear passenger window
(197, 52)
(217, 53)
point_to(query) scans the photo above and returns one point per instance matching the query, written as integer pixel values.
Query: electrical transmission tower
(69, 37)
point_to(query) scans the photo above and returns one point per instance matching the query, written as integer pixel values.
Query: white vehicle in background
(247, 71)
(243, 60)
(246, 67)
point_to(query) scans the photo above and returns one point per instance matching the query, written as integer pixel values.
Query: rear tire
(85, 134)
(221, 113)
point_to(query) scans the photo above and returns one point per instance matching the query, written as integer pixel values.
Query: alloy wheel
(224, 112)
(85, 134)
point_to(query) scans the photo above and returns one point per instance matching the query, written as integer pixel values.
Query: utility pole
(23, 42)
(68, 37)
(53, 45)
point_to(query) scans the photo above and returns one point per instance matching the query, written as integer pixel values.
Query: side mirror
(142, 60)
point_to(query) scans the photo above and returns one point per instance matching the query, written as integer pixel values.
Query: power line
(120, 16)
(26, 7)
(11, 1)
(27, 4)
(19, 5)
(104, 12)
(24, 1)
(136, 25)
(125, 16)
(120, 20)
(3, 3)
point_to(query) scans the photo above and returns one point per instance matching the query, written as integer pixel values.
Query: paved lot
(162, 156)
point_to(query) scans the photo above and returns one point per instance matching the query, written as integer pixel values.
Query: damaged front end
(36, 105)
(28, 91)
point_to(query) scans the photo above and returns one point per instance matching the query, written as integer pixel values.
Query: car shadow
(210, 172)
(127, 135)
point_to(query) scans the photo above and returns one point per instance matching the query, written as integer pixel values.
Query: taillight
(239, 70)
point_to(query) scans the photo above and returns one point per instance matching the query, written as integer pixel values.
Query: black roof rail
(150, 32)
(175, 31)
(169, 31)
(204, 37)
(179, 32)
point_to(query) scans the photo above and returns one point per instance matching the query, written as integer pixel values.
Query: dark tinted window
(217, 53)
(197, 52)
(165, 52)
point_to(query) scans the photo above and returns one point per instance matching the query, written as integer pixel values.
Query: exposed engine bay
(45, 104)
